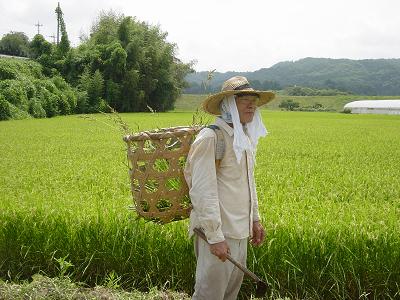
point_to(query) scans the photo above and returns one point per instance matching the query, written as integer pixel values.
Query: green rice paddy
(328, 187)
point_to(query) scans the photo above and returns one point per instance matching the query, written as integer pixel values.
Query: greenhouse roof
(390, 104)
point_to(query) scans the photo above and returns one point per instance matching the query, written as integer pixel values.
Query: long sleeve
(252, 182)
(256, 214)
(201, 177)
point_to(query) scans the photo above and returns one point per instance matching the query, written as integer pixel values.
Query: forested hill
(364, 77)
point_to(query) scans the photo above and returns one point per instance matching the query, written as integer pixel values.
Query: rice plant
(328, 187)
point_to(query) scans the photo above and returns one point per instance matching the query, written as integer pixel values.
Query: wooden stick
(201, 234)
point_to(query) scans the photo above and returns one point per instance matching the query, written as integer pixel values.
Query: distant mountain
(364, 77)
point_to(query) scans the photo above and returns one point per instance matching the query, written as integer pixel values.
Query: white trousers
(217, 280)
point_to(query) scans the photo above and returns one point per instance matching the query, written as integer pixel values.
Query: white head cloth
(255, 128)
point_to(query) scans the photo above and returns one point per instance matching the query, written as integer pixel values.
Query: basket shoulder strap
(219, 145)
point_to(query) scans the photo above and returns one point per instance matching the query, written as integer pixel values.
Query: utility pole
(53, 37)
(38, 25)
(59, 15)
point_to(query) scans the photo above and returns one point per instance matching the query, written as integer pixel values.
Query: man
(223, 194)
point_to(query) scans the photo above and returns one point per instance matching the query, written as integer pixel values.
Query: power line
(53, 37)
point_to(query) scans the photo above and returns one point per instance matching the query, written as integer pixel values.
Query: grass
(44, 288)
(328, 190)
(335, 103)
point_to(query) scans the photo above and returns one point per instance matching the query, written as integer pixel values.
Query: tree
(127, 63)
(64, 45)
(93, 85)
(132, 96)
(39, 46)
(115, 62)
(113, 94)
(125, 31)
(289, 105)
(42, 51)
(15, 43)
(95, 90)
(73, 66)
(104, 29)
(138, 66)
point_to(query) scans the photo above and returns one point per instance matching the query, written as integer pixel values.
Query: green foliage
(57, 59)
(289, 105)
(39, 46)
(5, 111)
(64, 46)
(125, 31)
(14, 43)
(130, 86)
(112, 280)
(95, 90)
(15, 93)
(93, 86)
(115, 61)
(16, 69)
(49, 64)
(113, 92)
(18, 113)
(136, 66)
(49, 103)
(82, 105)
(68, 97)
(45, 53)
(105, 29)
(63, 266)
(73, 66)
(35, 109)
(29, 93)
(125, 64)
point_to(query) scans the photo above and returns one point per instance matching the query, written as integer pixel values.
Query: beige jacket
(224, 200)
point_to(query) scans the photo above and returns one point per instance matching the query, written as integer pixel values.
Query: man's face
(246, 105)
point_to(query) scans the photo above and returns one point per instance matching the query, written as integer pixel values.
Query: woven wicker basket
(156, 162)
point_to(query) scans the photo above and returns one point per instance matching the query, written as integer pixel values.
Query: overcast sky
(234, 35)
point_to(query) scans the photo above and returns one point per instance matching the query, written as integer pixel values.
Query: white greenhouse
(387, 107)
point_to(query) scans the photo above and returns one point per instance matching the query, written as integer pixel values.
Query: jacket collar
(221, 123)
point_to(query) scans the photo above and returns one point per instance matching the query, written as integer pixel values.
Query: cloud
(231, 34)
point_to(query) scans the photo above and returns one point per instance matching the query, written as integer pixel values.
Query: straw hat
(233, 86)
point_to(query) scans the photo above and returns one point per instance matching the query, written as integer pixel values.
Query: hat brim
(211, 105)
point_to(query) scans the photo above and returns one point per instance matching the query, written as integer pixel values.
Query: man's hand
(258, 234)
(220, 249)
